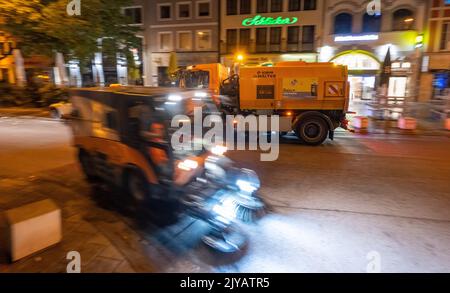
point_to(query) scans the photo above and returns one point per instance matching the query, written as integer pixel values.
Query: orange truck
(310, 98)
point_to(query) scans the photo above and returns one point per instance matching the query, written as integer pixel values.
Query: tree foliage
(43, 27)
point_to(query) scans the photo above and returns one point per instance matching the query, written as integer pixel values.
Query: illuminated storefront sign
(263, 21)
(353, 38)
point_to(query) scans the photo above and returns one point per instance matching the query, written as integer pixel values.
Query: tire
(87, 166)
(55, 114)
(312, 130)
(137, 186)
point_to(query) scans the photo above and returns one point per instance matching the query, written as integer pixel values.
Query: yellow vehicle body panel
(294, 86)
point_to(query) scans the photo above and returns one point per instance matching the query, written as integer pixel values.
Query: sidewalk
(104, 241)
(22, 111)
(424, 127)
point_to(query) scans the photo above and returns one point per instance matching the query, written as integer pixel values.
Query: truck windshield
(193, 79)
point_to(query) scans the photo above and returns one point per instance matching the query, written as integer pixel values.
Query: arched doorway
(363, 68)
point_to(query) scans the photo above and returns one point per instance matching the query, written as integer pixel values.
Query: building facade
(360, 38)
(435, 77)
(267, 31)
(185, 30)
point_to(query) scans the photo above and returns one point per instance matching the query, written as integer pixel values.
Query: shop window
(262, 6)
(403, 19)
(295, 5)
(276, 5)
(245, 7)
(231, 40)
(357, 61)
(309, 5)
(371, 23)
(343, 23)
(232, 7)
(397, 87)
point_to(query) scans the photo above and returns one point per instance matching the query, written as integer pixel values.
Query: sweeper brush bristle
(249, 209)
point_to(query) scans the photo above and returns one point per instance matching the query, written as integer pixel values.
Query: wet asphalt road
(340, 207)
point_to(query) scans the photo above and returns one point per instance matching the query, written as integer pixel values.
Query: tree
(43, 27)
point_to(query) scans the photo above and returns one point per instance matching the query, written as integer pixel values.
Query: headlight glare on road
(200, 95)
(174, 98)
(226, 209)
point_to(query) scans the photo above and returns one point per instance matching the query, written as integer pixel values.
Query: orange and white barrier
(407, 123)
(360, 122)
(447, 123)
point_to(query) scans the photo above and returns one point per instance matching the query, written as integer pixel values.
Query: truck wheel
(137, 186)
(312, 130)
(55, 114)
(87, 165)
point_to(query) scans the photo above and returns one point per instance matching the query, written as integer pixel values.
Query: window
(111, 120)
(262, 6)
(275, 39)
(184, 10)
(275, 35)
(203, 40)
(309, 5)
(246, 7)
(276, 5)
(165, 41)
(244, 38)
(308, 37)
(293, 34)
(231, 7)
(397, 86)
(165, 11)
(445, 38)
(203, 9)
(184, 41)
(402, 19)
(343, 23)
(134, 15)
(261, 39)
(231, 40)
(295, 5)
(371, 23)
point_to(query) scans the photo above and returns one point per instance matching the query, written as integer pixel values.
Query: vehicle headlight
(188, 165)
(174, 98)
(248, 182)
(200, 95)
(219, 150)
